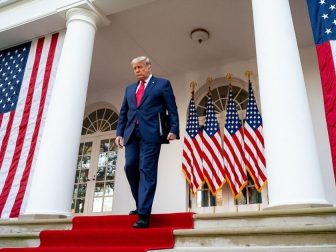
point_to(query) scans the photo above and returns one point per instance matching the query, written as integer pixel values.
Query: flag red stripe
(328, 79)
(210, 165)
(197, 165)
(22, 128)
(259, 154)
(194, 163)
(254, 166)
(231, 165)
(212, 175)
(235, 180)
(6, 137)
(23, 184)
(260, 137)
(219, 148)
(232, 153)
(187, 162)
(241, 154)
(260, 173)
(232, 181)
(1, 118)
(228, 159)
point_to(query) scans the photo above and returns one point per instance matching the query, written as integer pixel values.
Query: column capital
(84, 15)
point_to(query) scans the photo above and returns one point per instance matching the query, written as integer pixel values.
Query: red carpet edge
(112, 233)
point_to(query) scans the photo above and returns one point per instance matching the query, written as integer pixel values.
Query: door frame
(90, 184)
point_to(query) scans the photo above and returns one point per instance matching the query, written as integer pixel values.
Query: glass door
(95, 175)
(104, 177)
(82, 176)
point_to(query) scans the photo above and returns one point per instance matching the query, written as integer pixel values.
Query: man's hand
(119, 141)
(171, 136)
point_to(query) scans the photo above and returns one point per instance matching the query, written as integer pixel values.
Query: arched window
(219, 97)
(100, 120)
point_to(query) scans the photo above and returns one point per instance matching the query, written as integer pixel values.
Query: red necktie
(140, 93)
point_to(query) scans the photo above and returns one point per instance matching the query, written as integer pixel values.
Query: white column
(294, 174)
(53, 181)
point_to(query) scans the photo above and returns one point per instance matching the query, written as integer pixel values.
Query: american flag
(26, 76)
(323, 20)
(254, 143)
(192, 150)
(233, 149)
(213, 164)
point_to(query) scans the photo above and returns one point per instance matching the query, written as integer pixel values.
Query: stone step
(19, 240)
(309, 229)
(265, 218)
(23, 226)
(312, 235)
(25, 233)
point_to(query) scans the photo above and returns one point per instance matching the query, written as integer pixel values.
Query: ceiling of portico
(161, 30)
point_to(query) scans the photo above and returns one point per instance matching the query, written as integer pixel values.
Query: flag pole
(248, 74)
(193, 85)
(229, 78)
(209, 81)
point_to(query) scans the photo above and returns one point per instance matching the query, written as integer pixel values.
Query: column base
(296, 206)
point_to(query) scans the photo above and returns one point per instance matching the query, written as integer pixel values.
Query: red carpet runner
(112, 233)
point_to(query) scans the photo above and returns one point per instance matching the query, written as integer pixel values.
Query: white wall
(171, 194)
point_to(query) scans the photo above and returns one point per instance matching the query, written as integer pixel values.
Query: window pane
(107, 204)
(86, 123)
(214, 94)
(87, 148)
(86, 162)
(104, 145)
(75, 192)
(100, 176)
(113, 119)
(242, 199)
(79, 162)
(102, 159)
(73, 206)
(99, 190)
(108, 114)
(97, 205)
(83, 176)
(223, 91)
(79, 206)
(201, 111)
(242, 96)
(81, 190)
(100, 113)
(93, 117)
(254, 195)
(218, 106)
(109, 189)
(80, 149)
(77, 176)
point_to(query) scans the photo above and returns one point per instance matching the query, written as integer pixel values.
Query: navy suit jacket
(158, 101)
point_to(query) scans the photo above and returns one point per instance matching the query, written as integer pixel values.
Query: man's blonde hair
(140, 59)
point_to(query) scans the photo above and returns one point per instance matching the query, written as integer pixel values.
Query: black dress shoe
(142, 222)
(133, 212)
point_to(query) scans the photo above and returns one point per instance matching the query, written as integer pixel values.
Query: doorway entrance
(96, 165)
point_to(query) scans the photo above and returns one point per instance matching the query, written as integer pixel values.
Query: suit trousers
(141, 170)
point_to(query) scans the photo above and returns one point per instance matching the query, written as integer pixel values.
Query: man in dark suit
(148, 117)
